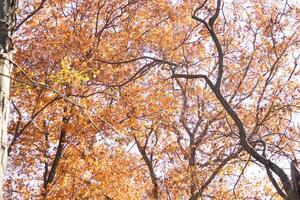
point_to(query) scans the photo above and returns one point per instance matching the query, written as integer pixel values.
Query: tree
(287, 191)
(7, 22)
(154, 99)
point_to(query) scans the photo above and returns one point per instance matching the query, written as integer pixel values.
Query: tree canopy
(154, 99)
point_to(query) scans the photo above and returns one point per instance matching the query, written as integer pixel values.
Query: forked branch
(242, 132)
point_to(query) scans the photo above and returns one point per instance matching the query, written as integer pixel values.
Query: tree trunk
(7, 20)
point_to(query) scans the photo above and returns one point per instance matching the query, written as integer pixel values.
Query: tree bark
(7, 21)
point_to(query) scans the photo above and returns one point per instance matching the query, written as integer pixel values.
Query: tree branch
(210, 27)
(19, 133)
(242, 133)
(148, 161)
(215, 173)
(59, 151)
(30, 15)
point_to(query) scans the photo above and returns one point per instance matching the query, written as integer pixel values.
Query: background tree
(7, 22)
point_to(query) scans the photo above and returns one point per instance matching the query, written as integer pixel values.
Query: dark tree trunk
(295, 173)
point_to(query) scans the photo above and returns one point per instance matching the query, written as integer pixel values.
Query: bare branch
(28, 17)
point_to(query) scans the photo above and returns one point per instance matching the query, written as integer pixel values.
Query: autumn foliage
(154, 99)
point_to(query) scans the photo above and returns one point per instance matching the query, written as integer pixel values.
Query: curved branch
(212, 20)
(210, 27)
(242, 133)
